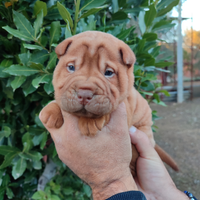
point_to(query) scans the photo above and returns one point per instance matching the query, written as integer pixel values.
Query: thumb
(142, 143)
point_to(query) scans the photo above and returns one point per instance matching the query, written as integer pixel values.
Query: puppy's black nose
(84, 96)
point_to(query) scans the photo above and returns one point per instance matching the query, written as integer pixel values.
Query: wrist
(112, 187)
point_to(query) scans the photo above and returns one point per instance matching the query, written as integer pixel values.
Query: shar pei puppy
(93, 76)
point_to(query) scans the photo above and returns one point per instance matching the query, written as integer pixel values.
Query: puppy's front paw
(51, 116)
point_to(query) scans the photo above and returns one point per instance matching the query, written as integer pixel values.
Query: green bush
(30, 31)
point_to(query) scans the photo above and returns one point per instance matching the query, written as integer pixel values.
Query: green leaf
(32, 47)
(156, 96)
(150, 45)
(23, 25)
(37, 139)
(92, 4)
(6, 63)
(54, 197)
(150, 36)
(3, 74)
(146, 93)
(163, 3)
(67, 31)
(155, 51)
(52, 61)
(53, 14)
(165, 92)
(6, 131)
(150, 77)
(37, 164)
(150, 15)
(166, 26)
(115, 6)
(149, 62)
(18, 34)
(19, 168)
(24, 58)
(39, 195)
(8, 159)
(163, 64)
(168, 8)
(120, 15)
(39, 57)
(38, 122)
(38, 23)
(27, 142)
(28, 87)
(92, 11)
(133, 10)
(142, 22)
(40, 5)
(65, 14)
(17, 82)
(125, 33)
(9, 193)
(147, 86)
(18, 70)
(37, 66)
(4, 150)
(41, 79)
(87, 190)
(55, 32)
(44, 140)
(141, 45)
(159, 103)
(31, 155)
(161, 23)
(48, 87)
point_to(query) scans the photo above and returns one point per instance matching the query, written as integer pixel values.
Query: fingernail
(132, 129)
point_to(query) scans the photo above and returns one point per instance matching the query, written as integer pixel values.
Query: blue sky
(190, 8)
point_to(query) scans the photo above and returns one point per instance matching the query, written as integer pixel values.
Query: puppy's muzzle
(84, 96)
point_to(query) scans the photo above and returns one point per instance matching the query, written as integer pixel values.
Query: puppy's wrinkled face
(93, 75)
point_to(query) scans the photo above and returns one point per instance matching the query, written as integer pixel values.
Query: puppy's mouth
(95, 107)
(84, 113)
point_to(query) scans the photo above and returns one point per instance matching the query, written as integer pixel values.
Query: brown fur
(92, 53)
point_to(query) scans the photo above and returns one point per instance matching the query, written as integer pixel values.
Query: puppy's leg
(51, 116)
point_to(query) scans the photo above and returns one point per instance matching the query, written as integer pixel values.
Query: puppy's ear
(62, 47)
(127, 55)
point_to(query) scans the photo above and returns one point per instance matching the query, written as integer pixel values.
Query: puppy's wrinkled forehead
(93, 42)
(94, 46)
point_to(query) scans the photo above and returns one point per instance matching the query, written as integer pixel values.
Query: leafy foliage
(29, 33)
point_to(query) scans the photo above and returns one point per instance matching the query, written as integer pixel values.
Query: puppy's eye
(109, 73)
(71, 68)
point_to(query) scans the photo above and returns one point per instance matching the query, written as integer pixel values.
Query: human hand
(152, 177)
(101, 161)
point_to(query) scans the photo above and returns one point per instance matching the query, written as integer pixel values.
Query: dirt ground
(179, 135)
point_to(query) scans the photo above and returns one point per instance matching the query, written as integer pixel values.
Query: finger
(142, 143)
(119, 116)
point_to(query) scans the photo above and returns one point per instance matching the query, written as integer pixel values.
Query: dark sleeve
(131, 195)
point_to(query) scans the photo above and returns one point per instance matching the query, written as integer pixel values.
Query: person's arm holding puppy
(103, 161)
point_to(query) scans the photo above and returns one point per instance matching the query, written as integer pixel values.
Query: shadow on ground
(179, 134)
